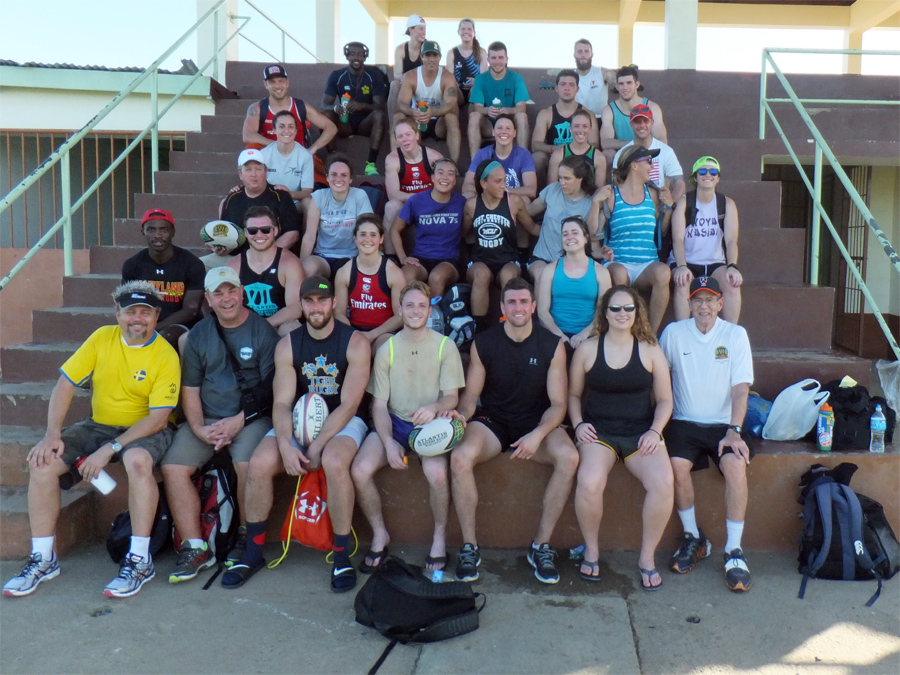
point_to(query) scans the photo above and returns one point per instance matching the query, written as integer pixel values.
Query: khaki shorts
(188, 450)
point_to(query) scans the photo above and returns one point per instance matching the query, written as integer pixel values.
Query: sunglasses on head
(615, 309)
(711, 172)
(643, 159)
(265, 229)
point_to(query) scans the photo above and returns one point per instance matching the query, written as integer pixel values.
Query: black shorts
(534, 259)
(622, 446)
(697, 443)
(701, 270)
(505, 433)
(431, 129)
(430, 263)
(334, 264)
(356, 119)
(495, 267)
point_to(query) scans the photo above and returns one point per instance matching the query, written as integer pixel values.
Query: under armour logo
(532, 361)
(159, 271)
(858, 547)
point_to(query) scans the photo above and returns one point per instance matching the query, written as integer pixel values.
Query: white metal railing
(815, 188)
(284, 36)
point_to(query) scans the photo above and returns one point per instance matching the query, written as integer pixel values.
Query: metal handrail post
(817, 220)
(762, 95)
(66, 196)
(216, 45)
(283, 47)
(154, 130)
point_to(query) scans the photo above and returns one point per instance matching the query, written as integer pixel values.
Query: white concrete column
(853, 62)
(681, 34)
(215, 31)
(328, 29)
(381, 54)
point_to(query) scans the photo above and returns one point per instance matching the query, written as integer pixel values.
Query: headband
(489, 168)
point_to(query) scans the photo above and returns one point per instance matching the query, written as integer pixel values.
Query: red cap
(158, 214)
(642, 111)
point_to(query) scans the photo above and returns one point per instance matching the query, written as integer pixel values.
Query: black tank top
(321, 365)
(589, 155)
(409, 64)
(515, 384)
(263, 293)
(495, 232)
(559, 132)
(617, 401)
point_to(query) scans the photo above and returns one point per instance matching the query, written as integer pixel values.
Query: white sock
(140, 546)
(735, 529)
(197, 543)
(44, 546)
(689, 521)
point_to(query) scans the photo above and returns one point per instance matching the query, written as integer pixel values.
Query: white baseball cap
(220, 275)
(413, 21)
(250, 155)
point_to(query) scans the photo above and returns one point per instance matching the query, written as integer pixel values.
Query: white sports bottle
(103, 482)
(877, 425)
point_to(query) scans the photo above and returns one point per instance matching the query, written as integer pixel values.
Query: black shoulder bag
(254, 402)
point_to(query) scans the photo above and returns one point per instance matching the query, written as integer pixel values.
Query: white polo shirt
(705, 368)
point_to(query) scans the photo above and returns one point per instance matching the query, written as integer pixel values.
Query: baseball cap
(131, 298)
(250, 155)
(220, 275)
(705, 284)
(222, 233)
(636, 155)
(275, 70)
(316, 284)
(703, 161)
(431, 47)
(158, 214)
(413, 21)
(642, 110)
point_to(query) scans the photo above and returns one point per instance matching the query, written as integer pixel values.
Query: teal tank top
(622, 122)
(632, 230)
(573, 301)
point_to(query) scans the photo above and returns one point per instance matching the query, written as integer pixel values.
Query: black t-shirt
(181, 273)
(515, 384)
(237, 203)
(363, 89)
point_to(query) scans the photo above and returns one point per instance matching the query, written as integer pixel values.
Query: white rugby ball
(309, 418)
(440, 435)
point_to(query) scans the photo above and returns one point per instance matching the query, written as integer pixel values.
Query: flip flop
(594, 565)
(365, 568)
(436, 560)
(343, 579)
(650, 574)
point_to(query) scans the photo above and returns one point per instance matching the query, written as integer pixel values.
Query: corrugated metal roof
(188, 67)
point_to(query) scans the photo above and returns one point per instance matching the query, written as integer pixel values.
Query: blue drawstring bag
(757, 413)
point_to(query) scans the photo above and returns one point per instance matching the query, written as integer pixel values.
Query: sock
(140, 546)
(689, 521)
(341, 548)
(256, 539)
(197, 543)
(373, 155)
(735, 529)
(43, 545)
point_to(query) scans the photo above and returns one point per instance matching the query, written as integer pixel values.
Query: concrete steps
(35, 361)
(90, 290)
(25, 404)
(66, 324)
(75, 526)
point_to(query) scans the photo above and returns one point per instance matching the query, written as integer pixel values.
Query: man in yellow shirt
(135, 378)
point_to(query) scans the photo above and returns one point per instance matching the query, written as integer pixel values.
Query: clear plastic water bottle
(436, 318)
(877, 425)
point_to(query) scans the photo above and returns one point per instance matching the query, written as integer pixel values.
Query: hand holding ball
(310, 413)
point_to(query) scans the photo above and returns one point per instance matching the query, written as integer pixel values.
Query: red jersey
(370, 297)
(415, 177)
(267, 117)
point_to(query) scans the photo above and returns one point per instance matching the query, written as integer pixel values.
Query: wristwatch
(116, 446)
(737, 428)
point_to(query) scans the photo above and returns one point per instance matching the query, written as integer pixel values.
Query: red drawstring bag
(308, 521)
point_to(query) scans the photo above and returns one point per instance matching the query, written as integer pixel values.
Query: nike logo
(685, 353)
(340, 570)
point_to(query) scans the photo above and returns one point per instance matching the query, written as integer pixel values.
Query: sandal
(343, 579)
(650, 574)
(594, 566)
(366, 568)
(439, 562)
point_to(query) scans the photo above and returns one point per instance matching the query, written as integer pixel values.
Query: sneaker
(134, 572)
(692, 550)
(737, 576)
(467, 561)
(34, 572)
(371, 169)
(240, 545)
(542, 560)
(191, 562)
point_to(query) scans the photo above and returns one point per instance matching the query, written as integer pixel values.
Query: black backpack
(403, 605)
(845, 536)
(118, 540)
(459, 326)
(853, 409)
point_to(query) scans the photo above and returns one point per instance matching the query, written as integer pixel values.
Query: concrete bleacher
(789, 322)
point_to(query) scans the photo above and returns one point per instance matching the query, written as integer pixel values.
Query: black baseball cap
(705, 284)
(137, 298)
(316, 285)
(275, 70)
(636, 155)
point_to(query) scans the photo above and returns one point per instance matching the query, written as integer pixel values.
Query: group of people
(307, 290)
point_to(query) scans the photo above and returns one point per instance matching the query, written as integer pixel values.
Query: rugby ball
(309, 418)
(440, 435)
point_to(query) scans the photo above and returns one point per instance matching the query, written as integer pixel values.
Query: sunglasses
(643, 159)
(615, 309)
(265, 229)
(711, 172)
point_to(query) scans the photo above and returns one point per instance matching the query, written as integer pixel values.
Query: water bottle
(436, 318)
(825, 428)
(345, 115)
(103, 482)
(423, 108)
(877, 425)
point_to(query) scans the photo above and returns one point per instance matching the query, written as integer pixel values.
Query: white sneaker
(34, 572)
(134, 572)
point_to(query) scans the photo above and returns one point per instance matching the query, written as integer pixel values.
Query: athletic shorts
(495, 267)
(697, 443)
(623, 446)
(334, 264)
(83, 438)
(188, 450)
(533, 259)
(356, 430)
(431, 129)
(700, 270)
(430, 263)
(634, 269)
(356, 119)
(505, 433)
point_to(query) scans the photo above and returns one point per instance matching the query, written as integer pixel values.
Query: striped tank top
(632, 230)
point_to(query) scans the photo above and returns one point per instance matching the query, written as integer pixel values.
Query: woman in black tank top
(580, 125)
(614, 378)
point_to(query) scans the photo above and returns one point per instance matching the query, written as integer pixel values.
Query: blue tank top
(622, 122)
(632, 230)
(573, 300)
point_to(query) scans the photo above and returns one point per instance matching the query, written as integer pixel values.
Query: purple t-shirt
(438, 226)
(518, 162)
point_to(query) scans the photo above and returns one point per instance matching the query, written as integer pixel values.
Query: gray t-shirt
(335, 237)
(549, 245)
(205, 364)
(295, 171)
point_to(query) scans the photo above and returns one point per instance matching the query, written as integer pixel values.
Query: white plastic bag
(794, 411)
(889, 374)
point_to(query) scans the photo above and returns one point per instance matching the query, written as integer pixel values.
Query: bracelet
(732, 265)
(668, 208)
(655, 432)
(579, 424)
(679, 266)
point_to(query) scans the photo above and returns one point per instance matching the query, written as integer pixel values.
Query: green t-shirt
(510, 90)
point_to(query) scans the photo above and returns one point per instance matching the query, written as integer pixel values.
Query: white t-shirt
(335, 237)
(295, 172)
(593, 92)
(705, 368)
(665, 164)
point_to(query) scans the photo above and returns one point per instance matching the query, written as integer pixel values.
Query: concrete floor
(287, 620)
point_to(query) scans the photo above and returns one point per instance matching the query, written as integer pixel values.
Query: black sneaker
(692, 550)
(467, 561)
(240, 545)
(542, 560)
(737, 576)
